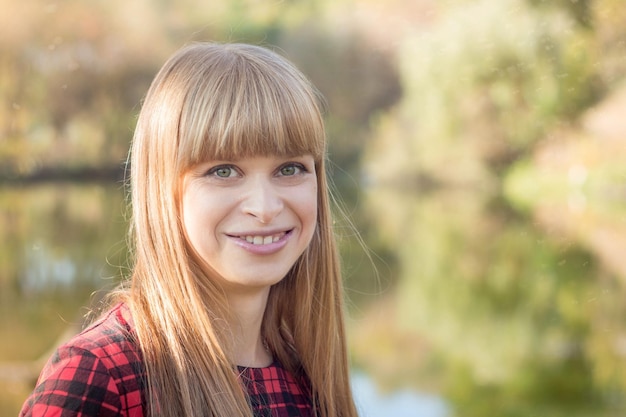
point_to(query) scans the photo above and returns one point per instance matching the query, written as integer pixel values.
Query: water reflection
(44, 271)
(59, 242)
(400, 403)
(506, 317)
(480, 311)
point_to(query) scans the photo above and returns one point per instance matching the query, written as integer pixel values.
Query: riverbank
(113, 173)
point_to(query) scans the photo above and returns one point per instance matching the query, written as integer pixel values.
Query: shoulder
(110, 340)
(98, 372)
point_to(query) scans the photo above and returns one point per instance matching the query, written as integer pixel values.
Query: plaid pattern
(100, 373)
(273, 392)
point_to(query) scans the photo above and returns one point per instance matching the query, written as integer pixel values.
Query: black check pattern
(100, 373)
(273, 392)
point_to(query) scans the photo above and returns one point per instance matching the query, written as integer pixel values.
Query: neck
(249, 348)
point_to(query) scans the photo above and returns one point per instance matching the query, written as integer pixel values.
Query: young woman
(234, 306)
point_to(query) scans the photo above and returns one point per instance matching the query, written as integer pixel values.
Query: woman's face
(250, 219)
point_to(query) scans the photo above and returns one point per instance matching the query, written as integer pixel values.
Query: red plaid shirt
(100, 373)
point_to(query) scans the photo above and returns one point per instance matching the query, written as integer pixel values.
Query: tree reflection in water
(60, 243)
(504, 316)
(480, 311)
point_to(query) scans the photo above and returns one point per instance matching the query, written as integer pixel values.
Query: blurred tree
(580, 10)
(481, 88)
(73, 82)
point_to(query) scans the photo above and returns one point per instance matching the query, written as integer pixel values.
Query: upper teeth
(262, 240)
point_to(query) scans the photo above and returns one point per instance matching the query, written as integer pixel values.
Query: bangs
(245, 104)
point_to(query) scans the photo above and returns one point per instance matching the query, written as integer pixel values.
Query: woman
(234, 306)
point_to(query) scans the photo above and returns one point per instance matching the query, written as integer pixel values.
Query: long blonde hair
(224, 101)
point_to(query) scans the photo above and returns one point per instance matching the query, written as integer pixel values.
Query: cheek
(308, 208)
(197, 217)
(190, 220)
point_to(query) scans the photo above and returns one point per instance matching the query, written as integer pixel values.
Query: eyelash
(302, 169)
(298, 166)
(213, 171)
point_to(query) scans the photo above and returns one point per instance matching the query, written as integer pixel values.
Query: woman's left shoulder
(109, 337)
(96, 373)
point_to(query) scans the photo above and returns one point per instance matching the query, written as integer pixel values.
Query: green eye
(291, 169)
(288, 170)
(223, 172)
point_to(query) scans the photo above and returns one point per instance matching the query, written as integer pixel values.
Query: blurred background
(477, 145)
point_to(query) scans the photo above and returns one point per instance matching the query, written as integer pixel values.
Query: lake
(461, 305)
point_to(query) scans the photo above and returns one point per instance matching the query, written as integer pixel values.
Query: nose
(263, 201)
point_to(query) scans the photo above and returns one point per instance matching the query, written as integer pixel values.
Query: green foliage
(481, 87)
(513, 316)
(42, 268)
(71, 92)
(580, 10)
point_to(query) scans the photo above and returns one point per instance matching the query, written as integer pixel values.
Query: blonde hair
(225, 101)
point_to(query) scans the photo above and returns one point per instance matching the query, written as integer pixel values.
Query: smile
(263, 240)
